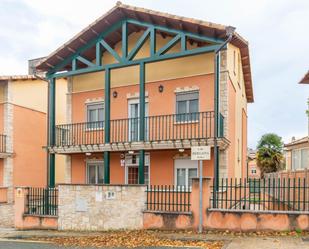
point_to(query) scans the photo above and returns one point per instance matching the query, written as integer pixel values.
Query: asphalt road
(38, 245)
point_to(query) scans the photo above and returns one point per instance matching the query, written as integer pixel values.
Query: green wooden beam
(125, 37)
(177, 31)
(74, 65)
(84, 48)
(141, 166)
(139, 44)
(153, 41)
(110, 50)
(85, 61)
(51, 129)
(169, 45)
(106, 167)
(98, 54)
(142, 102)
(150, 59)
(183, 42)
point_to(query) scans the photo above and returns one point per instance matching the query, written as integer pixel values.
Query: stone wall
(6, 215)
(101, 207)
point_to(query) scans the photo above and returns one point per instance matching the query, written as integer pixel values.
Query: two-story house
(143, 88)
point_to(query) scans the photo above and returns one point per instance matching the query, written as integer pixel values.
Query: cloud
(277, 32)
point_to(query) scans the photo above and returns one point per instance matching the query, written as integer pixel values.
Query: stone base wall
(101, 207)
(248, 221)
(7, 215)
(167, 220)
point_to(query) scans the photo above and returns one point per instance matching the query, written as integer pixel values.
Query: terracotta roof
(305, 79)
(121, 11)
(17, 77)
(298, 141)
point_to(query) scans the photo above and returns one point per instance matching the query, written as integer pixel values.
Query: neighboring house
(141, 89)
(23, 128)
(297, 154)
(253, 169)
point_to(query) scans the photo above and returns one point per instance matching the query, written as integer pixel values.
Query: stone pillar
(207, 183)
(19, 206)
(67, 171)
(223, 109)
(8, 131)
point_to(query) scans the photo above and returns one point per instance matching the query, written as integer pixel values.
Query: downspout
(230, 32)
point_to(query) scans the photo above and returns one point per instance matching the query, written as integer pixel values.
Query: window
(131, 168)
(185, 170)
(95, 115)
(95, 173)
(300, 158)
(187, 106)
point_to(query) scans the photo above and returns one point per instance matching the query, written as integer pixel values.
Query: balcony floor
(223, 143)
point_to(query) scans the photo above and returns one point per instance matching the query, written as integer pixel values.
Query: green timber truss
(127, 58)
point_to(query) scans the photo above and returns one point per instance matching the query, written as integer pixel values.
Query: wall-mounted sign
(200, 153)
(110, 195)
(98, 196)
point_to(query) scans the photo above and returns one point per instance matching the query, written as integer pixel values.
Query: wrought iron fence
(2, 143)
(185, 126)
(42, 201)
(168, 198)
(262, 194)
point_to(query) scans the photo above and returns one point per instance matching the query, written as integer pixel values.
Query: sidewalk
(231, 241)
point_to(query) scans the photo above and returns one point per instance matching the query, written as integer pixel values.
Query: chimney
(32, 64)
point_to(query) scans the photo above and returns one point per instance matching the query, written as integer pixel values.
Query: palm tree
(269, 153)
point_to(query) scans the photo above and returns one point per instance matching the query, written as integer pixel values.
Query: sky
(277, 31)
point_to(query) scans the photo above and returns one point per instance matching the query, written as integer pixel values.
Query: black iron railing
(173, 127)
(262, 194)
(42, 201)
(2, 143)
(168, 198)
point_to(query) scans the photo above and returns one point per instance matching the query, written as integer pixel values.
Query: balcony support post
(107, 125)
(141, 123)
(51, 130)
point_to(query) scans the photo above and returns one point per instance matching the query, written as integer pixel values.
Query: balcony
(161, 132)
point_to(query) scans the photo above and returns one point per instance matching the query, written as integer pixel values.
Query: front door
(134, 120)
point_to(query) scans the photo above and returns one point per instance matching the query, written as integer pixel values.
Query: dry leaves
(130, 239)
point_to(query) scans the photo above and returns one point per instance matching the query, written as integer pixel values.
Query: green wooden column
(107, 125)
(51, 130)
(216, 124)
(141, 165)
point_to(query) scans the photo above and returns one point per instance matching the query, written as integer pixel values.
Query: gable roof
(121, 11)
(305, 79)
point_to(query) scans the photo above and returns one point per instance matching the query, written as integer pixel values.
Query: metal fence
(262, 194)
(2, 143)
(187, 126)
(168, 198)
(42, 201)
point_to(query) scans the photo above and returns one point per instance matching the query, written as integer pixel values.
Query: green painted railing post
(51, 130)
(141, 123)
(107, 125)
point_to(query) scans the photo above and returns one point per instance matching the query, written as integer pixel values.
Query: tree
(269, 153)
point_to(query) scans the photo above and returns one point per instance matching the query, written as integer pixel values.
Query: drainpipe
(229, 31)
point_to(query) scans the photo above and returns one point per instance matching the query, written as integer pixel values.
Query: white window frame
(299, 166)
(187, 171)
(98, 163)
(127, 165)
(95, 103)
(187, 106)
